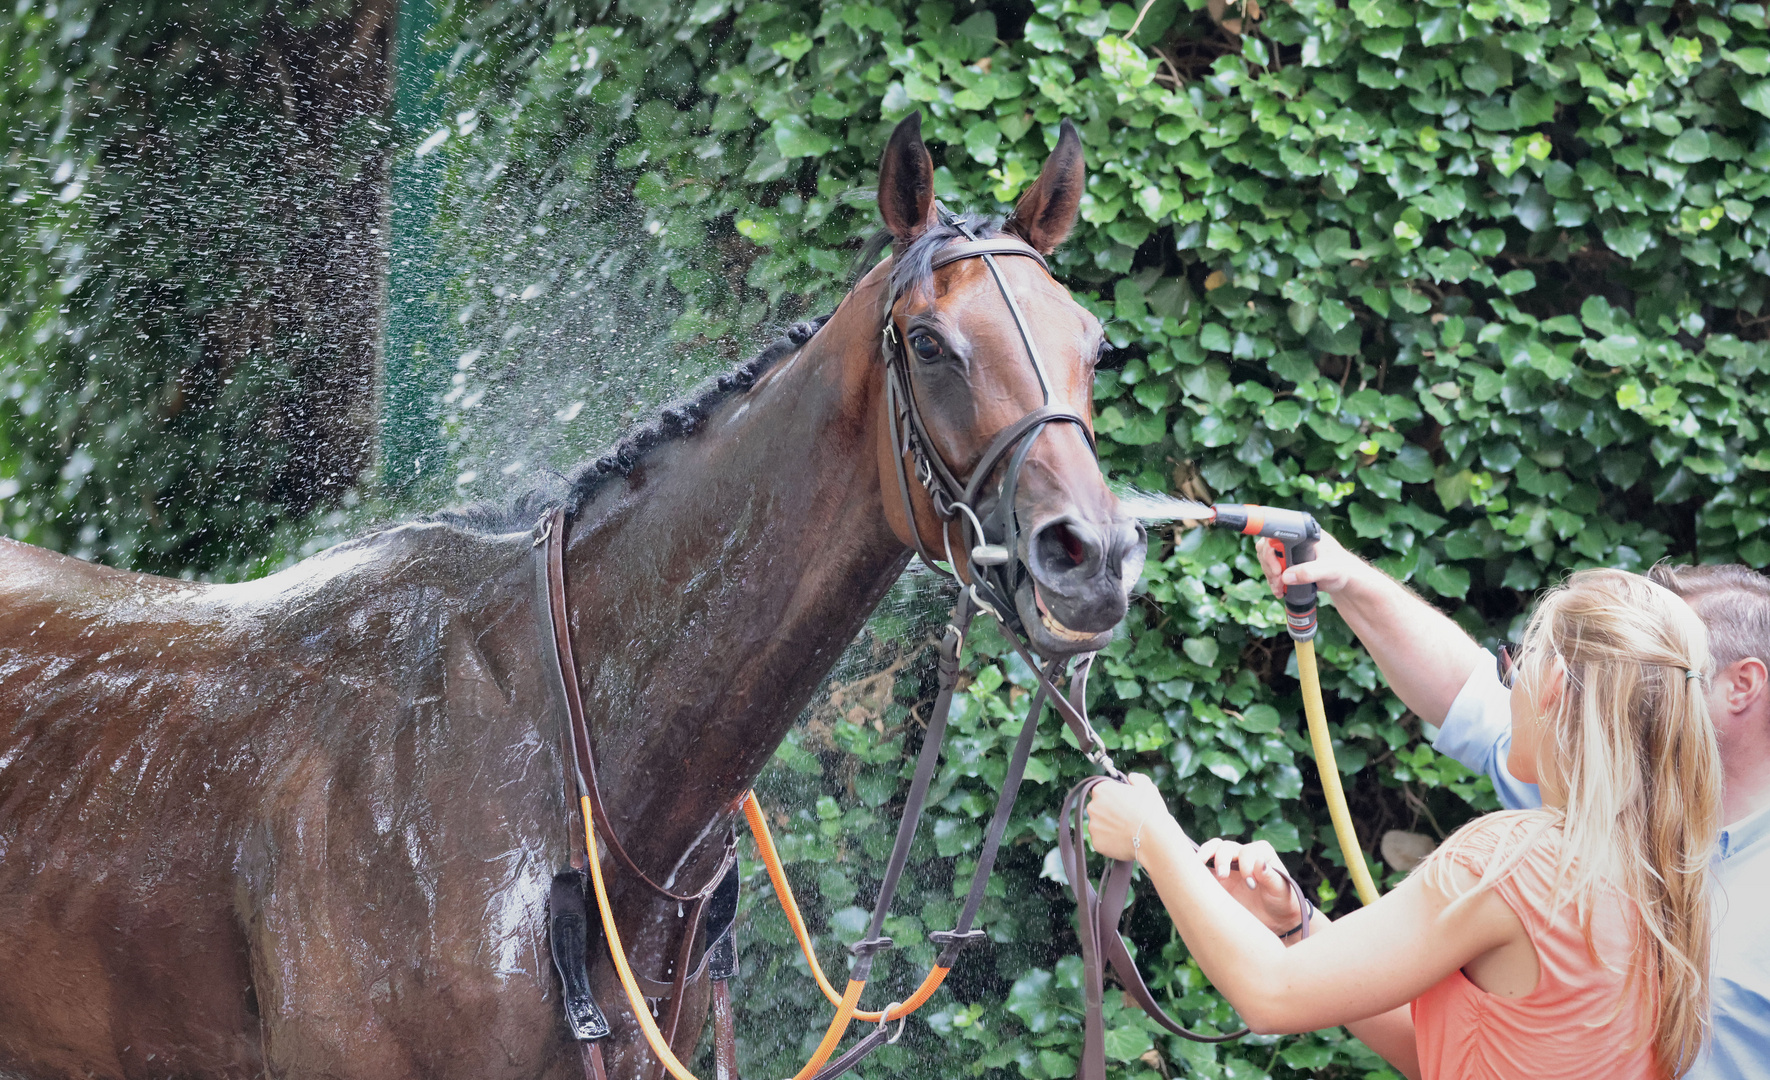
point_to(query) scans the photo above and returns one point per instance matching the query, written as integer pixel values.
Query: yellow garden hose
(1293, 535)
(1330, 773)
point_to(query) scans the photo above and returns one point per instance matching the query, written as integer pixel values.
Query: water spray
(1293, 534)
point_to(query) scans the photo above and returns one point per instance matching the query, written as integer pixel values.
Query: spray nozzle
(1294, 534)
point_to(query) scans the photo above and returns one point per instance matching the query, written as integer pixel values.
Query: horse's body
(333, 798)
(307, 825)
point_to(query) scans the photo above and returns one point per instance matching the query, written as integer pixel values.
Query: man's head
(1734, 602)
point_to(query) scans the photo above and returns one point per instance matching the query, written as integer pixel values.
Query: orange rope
(833, 1036)
(783, 891)
(846, 1012)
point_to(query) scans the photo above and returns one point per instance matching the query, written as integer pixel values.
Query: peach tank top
(1585, 1019)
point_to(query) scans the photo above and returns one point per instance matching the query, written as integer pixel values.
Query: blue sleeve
(1478, 732)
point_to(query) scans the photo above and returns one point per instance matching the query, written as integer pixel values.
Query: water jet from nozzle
(1155, 508)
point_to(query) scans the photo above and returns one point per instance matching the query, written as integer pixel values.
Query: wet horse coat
(307, 825)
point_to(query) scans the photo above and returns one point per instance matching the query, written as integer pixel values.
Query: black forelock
(678, 419)
(912, 266)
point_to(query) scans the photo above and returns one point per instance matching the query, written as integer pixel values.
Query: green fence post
(414, 368)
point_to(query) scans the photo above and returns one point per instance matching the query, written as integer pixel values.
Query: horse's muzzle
(1079, 581)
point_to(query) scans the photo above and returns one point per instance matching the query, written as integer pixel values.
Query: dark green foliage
(191, 244)
(1480, 284)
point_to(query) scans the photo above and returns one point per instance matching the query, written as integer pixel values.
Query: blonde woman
(1565, 942)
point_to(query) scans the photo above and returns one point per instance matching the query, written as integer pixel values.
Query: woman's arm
(1252, 875)
(1376, 959)
(1391, 1035)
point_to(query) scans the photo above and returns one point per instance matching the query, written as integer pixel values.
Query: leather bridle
(994, 569)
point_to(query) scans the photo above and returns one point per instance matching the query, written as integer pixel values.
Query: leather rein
(993, 538)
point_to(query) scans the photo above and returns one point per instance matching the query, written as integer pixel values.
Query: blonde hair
(1630, 744)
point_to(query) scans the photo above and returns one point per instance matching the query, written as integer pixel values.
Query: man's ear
(1046, 213)
(1745, 683)
(906, 183)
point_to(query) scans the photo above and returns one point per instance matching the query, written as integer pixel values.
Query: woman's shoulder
(1500, 836)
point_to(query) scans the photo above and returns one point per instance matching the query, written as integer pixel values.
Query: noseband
(995, 573)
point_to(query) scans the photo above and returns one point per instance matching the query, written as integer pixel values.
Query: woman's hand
(1252, 874)
(1117, 813)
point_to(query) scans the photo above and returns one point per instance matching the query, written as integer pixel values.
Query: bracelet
(1308, 909)
(1137, 842)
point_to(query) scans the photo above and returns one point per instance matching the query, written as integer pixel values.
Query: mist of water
(1157, 508)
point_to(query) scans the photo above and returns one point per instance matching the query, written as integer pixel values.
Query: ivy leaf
(1335, 314)
(1517, 281)
(1128, 1043)
(1223, 765)
(1030, 999)
(1447, 580)
(981, 139)
(795, 138)
(1690, 147)
(1281, 834)
(1282, 415)
(1043, 34)
(1757, 96)
(793, 47)
(1630, 241)
(1201, 651)
(1259, 719)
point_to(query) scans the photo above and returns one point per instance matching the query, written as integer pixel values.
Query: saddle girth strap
(725, 1057)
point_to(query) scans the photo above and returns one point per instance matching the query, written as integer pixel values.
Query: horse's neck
(713, 590)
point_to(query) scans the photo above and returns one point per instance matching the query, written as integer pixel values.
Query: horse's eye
(926, 345)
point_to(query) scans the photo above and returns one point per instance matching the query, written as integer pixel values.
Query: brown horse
(306, 825)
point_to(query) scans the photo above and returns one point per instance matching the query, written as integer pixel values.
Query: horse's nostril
(1072, 544)
(1061, 548)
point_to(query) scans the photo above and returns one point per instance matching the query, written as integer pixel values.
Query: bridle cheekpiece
(990, 540)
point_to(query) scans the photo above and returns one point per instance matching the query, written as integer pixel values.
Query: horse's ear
(1046, 213)
(906, 182)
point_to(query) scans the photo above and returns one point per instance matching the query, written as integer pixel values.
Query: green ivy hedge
(191, 215)
(1481, 284)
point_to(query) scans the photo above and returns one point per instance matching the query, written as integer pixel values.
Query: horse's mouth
(1047, 633)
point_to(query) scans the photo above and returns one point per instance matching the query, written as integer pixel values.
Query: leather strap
(684, 953)
(995, 245)
(551, 533)
(951, 643)
(953, 942)
(591, 1054)
(568, 938)
(1006, 439)
(725, 1058)
(561, 665)
(1098, 916)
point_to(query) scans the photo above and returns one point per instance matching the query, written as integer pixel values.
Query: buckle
(924, 471)
(885, 1018)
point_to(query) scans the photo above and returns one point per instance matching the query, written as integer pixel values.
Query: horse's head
(991, 370)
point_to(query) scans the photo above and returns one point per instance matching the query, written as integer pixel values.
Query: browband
(995, 245)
